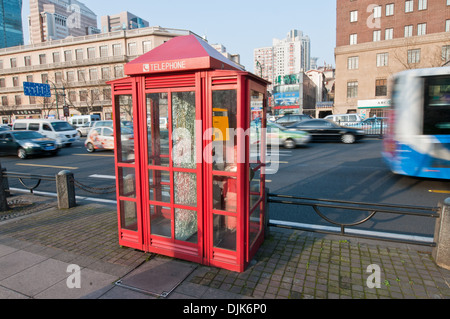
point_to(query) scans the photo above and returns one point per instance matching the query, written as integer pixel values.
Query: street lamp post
(56, 93)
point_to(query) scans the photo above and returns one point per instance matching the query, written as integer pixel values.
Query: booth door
(173, 171)
(125, 102)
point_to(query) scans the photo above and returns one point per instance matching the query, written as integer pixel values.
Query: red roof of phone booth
(181, 53)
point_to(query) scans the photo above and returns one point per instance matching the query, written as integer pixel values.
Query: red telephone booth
(190, 183)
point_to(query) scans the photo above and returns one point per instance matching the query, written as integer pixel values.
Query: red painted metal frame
(204, 251)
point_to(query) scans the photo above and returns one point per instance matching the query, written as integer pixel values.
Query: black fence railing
(372, 209)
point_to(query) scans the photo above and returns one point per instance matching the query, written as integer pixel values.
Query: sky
(239, 25)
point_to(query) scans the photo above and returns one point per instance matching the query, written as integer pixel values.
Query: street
(336, 171)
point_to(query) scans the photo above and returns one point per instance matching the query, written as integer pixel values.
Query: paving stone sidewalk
(290, 264)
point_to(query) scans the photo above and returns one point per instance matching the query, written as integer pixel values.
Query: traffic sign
(36, 89)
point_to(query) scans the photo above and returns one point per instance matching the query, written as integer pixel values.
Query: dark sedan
(324, 130)
(25, 143)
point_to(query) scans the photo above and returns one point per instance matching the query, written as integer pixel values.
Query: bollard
(3, 192)
(441, 253)
(65, 189)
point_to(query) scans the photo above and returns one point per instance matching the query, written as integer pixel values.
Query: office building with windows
(122, 21)
(291, 55)
(376, 40)
(58, 19)
(11, 32)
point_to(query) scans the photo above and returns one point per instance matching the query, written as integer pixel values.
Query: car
(84, 129)
(102, 138)
(279, 135)
(326, 130)
(26, 143)
(5, 127)
(109, 123)
(373, 125)
(344, 119)
(291, 119)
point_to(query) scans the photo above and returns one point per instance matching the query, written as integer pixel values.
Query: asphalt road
(321, 170)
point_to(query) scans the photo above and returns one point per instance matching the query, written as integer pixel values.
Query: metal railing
(371, 208)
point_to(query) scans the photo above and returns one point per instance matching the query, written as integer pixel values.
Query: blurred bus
(418, 139)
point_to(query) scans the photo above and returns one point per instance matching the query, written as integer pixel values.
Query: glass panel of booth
(224, 161)
(158, 129)
(125, 144)
(257, 156)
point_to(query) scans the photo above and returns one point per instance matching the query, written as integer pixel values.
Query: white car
(102, 138)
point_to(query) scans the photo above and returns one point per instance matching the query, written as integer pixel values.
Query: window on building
(409, 6)
(29, 78)
(93, 76)
(1, 64)
(381, 87)
(2, 83)
(107, 94)
(91, 53)
(4, 100)
(81, 75)
(422, 4)
(352, 89)
(377, 12)
(118, 71)
(70, 75)
(382, 59)
(103, 51)
(408, 31)
(132, 49)
(18, 99)
(68, 55)
(44, 78)
(353, 39)
(376, 35)
(79, 54)
(56, 57)
(147, 46)
(106, 73)
(83, 95)
(421, 29)
(446, 53)
(13, 62)
(414, 56)
(389, 34)
(389, 9)
(15, 81)
(32, 100)
(42, 59)
(58, 77)
(27, 60)
(354, 16)
(117, 49)
(447, 25)
(353, 63)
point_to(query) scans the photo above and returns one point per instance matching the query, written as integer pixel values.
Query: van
(344, 119)
(80, 120)
(61, 131)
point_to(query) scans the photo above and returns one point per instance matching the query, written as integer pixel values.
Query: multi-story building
(376, 39)
(77, 70)
(291, 55)
(122, 21)
(11, 32)
(58, 19)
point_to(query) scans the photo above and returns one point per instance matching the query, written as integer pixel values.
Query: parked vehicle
(64, 133)
(344, 119)
(79, 120)
(291, 119)
(373, 125)
(84, 129)
(26, 143)
(102, 138)
(279, 135)
(5, 127)
(324, 130)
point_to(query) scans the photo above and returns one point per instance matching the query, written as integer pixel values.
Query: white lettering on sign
(165, 66)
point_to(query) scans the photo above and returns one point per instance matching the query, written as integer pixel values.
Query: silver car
(85, 128)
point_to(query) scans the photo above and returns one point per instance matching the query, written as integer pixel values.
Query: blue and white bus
(418, 139)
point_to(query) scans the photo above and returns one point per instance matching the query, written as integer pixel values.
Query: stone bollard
(441, 253)
(3, 192)
(65, 189)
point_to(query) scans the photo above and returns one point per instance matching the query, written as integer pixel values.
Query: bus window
(437, 106)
